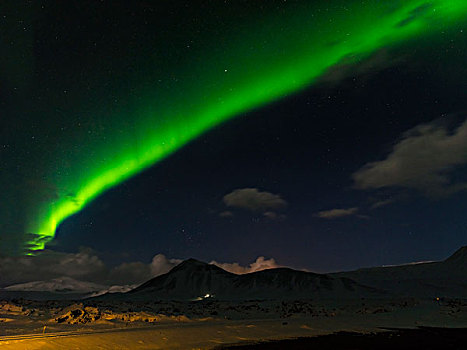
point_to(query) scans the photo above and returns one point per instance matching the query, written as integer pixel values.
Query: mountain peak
(195, 266)
(190, 264)
(193, 261)
(459, 257)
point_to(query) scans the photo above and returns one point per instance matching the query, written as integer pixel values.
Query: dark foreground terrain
(422, 338)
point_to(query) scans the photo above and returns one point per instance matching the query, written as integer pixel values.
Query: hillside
(447, 278)
(195, 280)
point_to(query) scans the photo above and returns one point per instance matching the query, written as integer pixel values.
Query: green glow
(229, 81)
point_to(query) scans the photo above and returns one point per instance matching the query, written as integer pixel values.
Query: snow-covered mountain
(194, 279)
(114, 289)
(61, 288)
(446, 278)
(58, 285)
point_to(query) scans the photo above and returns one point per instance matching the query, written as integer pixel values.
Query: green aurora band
(242, 74)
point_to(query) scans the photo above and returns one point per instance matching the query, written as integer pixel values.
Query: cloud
(415, 14)
(274, 216)
(336, 213)
(364, 217)
(423, 160)
(258, 265)
(85, 272)
(138, 272)
(50, 264)
(160, 264)
(362, 67)
(254, 200)
(382, 203)
(129, 273)
(84, 268)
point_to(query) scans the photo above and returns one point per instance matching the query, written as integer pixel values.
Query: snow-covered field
(205, 324)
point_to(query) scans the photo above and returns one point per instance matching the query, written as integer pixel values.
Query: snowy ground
(206, 324)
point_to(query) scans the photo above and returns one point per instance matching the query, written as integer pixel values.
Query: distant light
(207, 296)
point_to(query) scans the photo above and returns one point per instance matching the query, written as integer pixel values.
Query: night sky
(326, 135)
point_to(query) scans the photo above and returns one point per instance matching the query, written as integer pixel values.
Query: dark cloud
(424, 159)
(84, 266)
(130, 273)
(50, 264)
(363, 68)
(138, 272)
(84, 269)
(415, 14)
(336, 213)
(254, 200)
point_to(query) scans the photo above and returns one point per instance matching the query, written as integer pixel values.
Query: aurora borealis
(242, 68)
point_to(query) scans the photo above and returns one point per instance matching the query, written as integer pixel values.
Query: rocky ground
(88, 312)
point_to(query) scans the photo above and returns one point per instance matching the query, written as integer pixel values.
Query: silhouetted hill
(189, 279)
(458, 259)
(194, 279)
(432, 279)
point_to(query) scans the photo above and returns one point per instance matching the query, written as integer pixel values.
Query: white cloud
(336, 213)
(423, 159)
(382, 203)
(160, 264)
(254, 200)
(258, 265)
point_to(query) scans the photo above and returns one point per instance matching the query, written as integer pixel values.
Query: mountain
(113, 289)
(57, 285)
(458, 260)
(193, 279)
(63, 288)
(189, 279)
(446, 278)
(287, 283)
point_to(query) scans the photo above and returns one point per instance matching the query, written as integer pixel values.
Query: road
(189, 335)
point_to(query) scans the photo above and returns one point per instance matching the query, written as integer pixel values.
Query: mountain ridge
(193, 279)
(447, 277)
